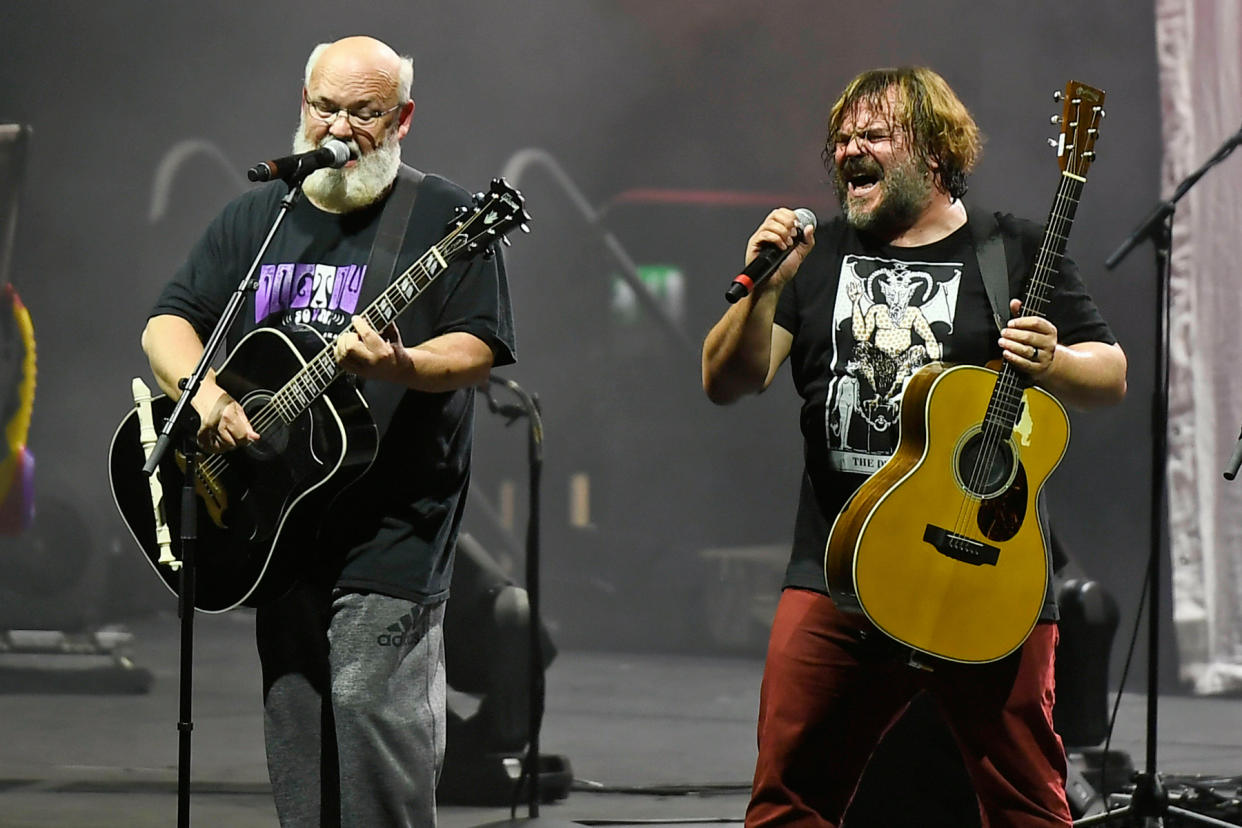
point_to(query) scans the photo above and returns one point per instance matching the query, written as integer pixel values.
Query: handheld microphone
(769, 259)
(333, 154)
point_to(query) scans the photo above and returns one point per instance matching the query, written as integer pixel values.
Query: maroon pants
(829, 695)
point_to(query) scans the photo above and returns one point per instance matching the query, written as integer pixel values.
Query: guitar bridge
(961, 548)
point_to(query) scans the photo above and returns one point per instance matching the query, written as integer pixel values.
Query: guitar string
(993, 436)
(1008, 386)
(279, 408)
(1002, 413)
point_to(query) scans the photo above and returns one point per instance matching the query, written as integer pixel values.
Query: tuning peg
(1099, 110)
(1052, 142)
(1058, 95)
(1054, 120)
(525, 228)
(505, 241)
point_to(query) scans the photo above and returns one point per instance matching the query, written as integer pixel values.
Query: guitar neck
(497, 211)
(1052, 251)
(1005, 406)
(310, 383)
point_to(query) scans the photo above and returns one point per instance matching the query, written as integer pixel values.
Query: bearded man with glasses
(352, 656)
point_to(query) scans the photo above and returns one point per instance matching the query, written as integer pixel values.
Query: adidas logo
(396, 634)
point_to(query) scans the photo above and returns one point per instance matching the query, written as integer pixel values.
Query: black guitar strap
(389, 236)
(990, 251)
(381, 268)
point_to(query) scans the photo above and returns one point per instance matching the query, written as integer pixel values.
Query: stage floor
(640, 727)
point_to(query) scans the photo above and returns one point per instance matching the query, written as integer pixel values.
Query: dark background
(624, 96)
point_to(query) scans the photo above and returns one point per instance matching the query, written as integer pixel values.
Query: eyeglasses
(358, 118)
(866, 138)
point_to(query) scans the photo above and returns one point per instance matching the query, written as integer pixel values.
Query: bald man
(352, 656)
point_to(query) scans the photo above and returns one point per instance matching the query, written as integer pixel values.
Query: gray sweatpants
(353, 703)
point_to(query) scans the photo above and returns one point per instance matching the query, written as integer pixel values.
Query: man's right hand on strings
(223, 425)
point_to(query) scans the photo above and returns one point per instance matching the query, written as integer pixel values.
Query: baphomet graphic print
(890, 318)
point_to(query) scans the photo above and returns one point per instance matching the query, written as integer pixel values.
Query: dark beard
(907, 189)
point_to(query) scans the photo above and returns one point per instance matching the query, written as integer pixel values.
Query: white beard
(346, 190)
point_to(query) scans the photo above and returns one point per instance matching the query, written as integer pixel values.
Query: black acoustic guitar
(258, 506)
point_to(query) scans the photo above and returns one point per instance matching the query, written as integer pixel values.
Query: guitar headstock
(1080, 127)
(497, 212)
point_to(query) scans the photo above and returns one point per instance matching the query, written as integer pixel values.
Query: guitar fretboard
(1005, 405)
(308, 384)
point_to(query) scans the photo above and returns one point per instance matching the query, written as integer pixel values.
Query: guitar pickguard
(1001, 517)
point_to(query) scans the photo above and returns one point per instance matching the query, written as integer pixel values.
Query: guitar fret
(432, 265)
(1007, 415)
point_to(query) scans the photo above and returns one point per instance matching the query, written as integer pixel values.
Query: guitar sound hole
(984, 477)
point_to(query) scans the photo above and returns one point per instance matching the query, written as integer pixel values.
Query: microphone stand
(1150, 801)
(529, 407)
(183, 421)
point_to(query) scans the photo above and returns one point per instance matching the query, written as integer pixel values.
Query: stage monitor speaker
(486, 644)
(1088, 622)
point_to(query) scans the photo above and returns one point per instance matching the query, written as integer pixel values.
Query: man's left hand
(1029, 343)
(373, 354)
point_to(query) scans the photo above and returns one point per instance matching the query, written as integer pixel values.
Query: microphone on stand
(333, 154)
(769, 259)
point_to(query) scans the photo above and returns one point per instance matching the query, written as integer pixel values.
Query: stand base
(1149, 806)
